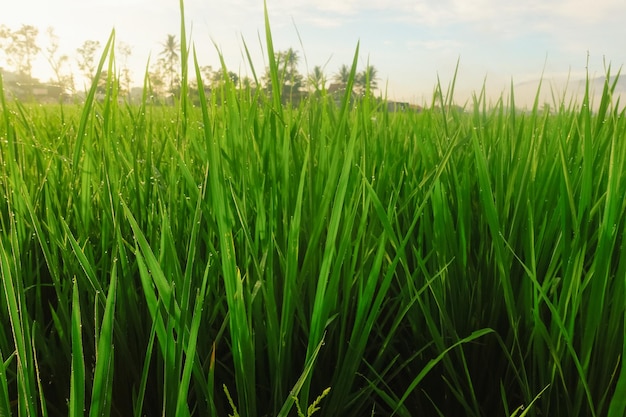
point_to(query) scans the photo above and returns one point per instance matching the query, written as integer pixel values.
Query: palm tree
(291, 59)
(342, 76)
(169, 55)
(288, 61)
(366, 80)
(317, 79)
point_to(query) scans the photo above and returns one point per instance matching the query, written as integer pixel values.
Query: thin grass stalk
(327, 285)
(5, 402)
(184, 77)
(77, 380)
(84, 152)
(273, 64)
(102, 387)
(240, 327)
(182, 407)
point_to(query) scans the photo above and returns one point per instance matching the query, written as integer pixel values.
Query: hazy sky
(410, 42)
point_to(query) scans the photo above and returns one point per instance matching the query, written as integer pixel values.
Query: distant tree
(366, 80)
(5, 36)
(59, 63)
(124, 51)
(317, 79)
(220, 76)
(206, 72)
(157, 80)
(246, 83)
(234, 77)
(170, 59)
(289, 60)
(288, 74)
(20, 48)
(87, 58)
(342, 76)
(102, 83)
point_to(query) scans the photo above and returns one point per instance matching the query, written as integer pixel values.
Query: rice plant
(253, 257)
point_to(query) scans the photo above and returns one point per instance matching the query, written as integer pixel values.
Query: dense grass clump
(182, 260)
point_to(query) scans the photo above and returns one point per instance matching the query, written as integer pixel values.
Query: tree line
(20, 47)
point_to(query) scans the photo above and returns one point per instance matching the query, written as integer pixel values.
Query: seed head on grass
(231, 402)
(314, 405)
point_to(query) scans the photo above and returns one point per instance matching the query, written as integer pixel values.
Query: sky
(412, 43)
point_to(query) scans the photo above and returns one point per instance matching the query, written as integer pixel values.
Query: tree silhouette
(59, 63)
(290, 59)
(317, 79)
(5, 38)
(288, 67)
(20, 47)
(366, 80)
(87, 58)
(219, 77)
(124, 51)
(290, 78)
(342, 76)
(157, 79)
(170, 59)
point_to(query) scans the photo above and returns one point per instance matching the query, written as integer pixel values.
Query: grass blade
(77, 381)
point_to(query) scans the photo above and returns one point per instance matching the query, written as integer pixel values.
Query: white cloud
(585, 11)
(325, 22)
(498, 15)
(436, 44)
(346, 7)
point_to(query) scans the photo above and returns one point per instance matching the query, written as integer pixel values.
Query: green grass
(249, 257)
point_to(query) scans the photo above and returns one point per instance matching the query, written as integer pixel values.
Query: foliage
(366, 80)
(124, 51)
(317, 79)
(289, 79)
(343, 75)
(59, 63)
(449, 262)
(20, 47)
(169, 62)
(86, 59)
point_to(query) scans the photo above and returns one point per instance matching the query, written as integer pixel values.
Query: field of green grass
(187, 260)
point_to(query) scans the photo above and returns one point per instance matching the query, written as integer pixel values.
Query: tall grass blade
(288, 405)
(431, 364)
(77, 381)
(191, 346)
(240, 328)
(105, 350)
(20, 327)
